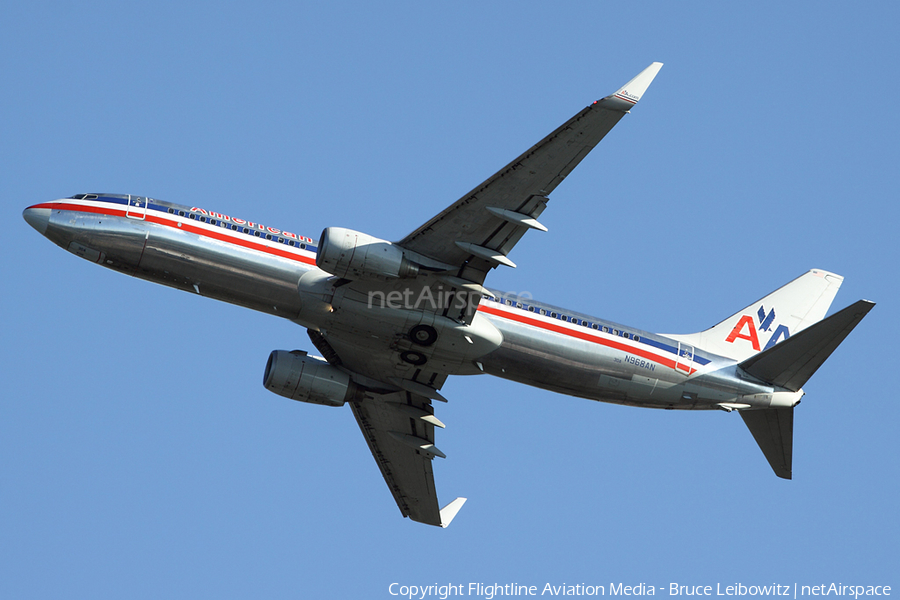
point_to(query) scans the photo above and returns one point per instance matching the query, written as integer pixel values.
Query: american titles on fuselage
(240, 224)
(197, 214)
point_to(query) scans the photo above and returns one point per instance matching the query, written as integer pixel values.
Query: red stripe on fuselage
(586, 336)
(168, 222)
(153, 218)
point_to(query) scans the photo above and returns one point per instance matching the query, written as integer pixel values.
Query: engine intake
(354, 255)
(305, 378)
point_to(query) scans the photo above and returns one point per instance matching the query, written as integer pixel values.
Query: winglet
(629, 94)
(449, 511)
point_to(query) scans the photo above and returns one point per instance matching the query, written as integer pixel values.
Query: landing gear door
(685, 360)
(137, 208)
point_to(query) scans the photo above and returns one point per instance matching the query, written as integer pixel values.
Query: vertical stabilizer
(786, 311)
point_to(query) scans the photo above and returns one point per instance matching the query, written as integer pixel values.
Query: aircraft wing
(399, 429)
(398, 426)
(456, 248)
(477, 231)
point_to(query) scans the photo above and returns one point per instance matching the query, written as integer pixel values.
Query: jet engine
(305, 378)
(354, 255)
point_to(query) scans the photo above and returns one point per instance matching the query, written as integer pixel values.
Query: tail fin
(785, 312)
(789, 365)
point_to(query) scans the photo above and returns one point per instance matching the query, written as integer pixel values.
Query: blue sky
(140, 455)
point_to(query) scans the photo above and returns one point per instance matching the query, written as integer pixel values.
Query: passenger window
(530, 309)
(595, 326)
(303, 246)
(180, 213)
(553, 314)
(171, 211)
(256, 233)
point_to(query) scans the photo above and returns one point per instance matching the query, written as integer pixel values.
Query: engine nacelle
(300, 377)
(354, 255)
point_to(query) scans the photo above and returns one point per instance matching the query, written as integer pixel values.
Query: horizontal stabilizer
(773, 430)
(791, 363)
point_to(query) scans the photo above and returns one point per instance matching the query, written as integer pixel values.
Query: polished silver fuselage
(263, 268)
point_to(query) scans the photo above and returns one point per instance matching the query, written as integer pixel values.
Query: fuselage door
(137, 208)
(685, 361)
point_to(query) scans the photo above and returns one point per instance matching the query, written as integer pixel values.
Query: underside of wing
(399, 429)
(397, 420)
(478, 231)
(398, 318)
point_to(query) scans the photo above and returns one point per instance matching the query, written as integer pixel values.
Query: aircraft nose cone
(38, 218)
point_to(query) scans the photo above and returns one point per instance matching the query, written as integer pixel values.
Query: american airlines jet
(392, 320)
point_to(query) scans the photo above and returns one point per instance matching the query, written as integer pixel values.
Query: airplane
(392, 320)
